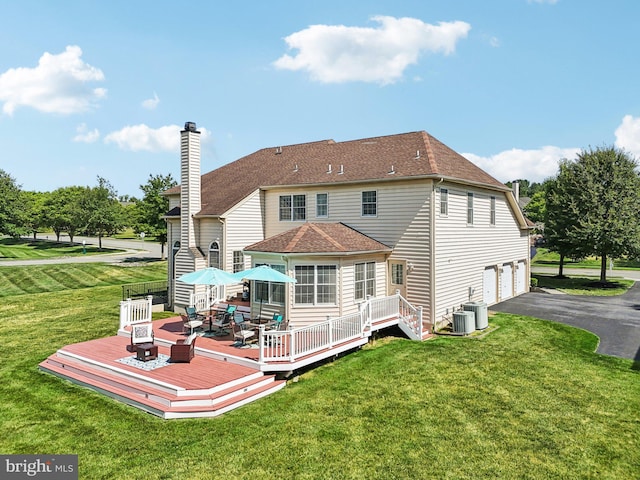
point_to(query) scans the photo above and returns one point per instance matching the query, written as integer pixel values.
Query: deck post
(292, 345)
(125, 309)
(330, 331)
(261, 344)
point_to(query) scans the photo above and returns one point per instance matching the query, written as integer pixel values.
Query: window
(397, 274)
(238, 261)
(492, 214)
(470, 208)
(269, 292)
(316, 284)
(444, 202)
(322, 205)
(365, 280)
(214, 255)
(369, 204)
(293, 207)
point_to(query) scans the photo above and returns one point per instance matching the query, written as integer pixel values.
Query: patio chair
(241, 332)
(276, 322)
(191, 320)
(222, 323)
(141, 333)
(184, 349)
(227, 314)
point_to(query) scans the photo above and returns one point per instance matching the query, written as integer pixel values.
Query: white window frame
(469, 208)
(292, 211)
(492, 210)
(325, 205)
(238, 261)
(444, 202)
(275, 290)
(314, 291)
(369, 204)
(364, 283)
(214, 251)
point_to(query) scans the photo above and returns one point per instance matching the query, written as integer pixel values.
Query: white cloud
(336, 53)
(151, 103)
(628, 135)
(86, 136)
(143, 138)
(533, 165)
(57, 85)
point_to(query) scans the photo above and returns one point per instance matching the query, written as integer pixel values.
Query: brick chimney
(190, 183)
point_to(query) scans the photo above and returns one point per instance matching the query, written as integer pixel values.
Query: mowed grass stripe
(52, 278)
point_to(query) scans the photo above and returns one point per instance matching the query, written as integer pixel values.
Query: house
(349, 220)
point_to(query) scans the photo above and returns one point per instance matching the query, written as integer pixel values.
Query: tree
(10, 206)
(599, 205)
(102, 211)
(34, 211)
(536, 209)
(153, 207)
(64, 211)
(559, 218)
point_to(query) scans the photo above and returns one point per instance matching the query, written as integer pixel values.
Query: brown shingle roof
(415, 154)
(319, 238)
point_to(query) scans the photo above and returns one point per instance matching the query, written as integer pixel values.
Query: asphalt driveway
(616, 320)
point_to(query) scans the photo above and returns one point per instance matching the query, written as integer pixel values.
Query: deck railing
(410, 319)
(295, 343)
(135, 311)
(205, 300)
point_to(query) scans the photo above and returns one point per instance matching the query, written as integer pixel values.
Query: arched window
(214, 255)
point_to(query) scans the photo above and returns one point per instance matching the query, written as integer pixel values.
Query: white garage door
(490, 286)
(506, 281)
(521, 281)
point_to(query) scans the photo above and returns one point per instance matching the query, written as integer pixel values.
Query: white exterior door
(490, 286)
(397, 277)
(521, 280)
(506, 281)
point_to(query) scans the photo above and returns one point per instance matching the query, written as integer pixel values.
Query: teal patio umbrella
(263, 273)
(209, 276)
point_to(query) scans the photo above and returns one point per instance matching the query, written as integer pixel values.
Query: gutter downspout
(432, 256)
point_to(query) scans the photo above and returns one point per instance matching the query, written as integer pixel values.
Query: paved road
(616, 320)
(135, 250)
(590, 272)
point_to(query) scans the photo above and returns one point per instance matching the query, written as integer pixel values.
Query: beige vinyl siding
(402, 222)
(174, 201)
(463, 251)
(414, 245)
(397, 205)
(243, 226)
(212, 230)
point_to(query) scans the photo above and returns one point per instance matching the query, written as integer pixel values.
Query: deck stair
(167, 399)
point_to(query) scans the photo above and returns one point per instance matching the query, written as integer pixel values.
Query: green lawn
(575, 285)
(530, 400)
(22, 249)
(545, 258)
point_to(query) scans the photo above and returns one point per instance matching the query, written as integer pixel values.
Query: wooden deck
(219, 378)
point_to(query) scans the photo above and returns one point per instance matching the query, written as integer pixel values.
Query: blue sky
(102, 88)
